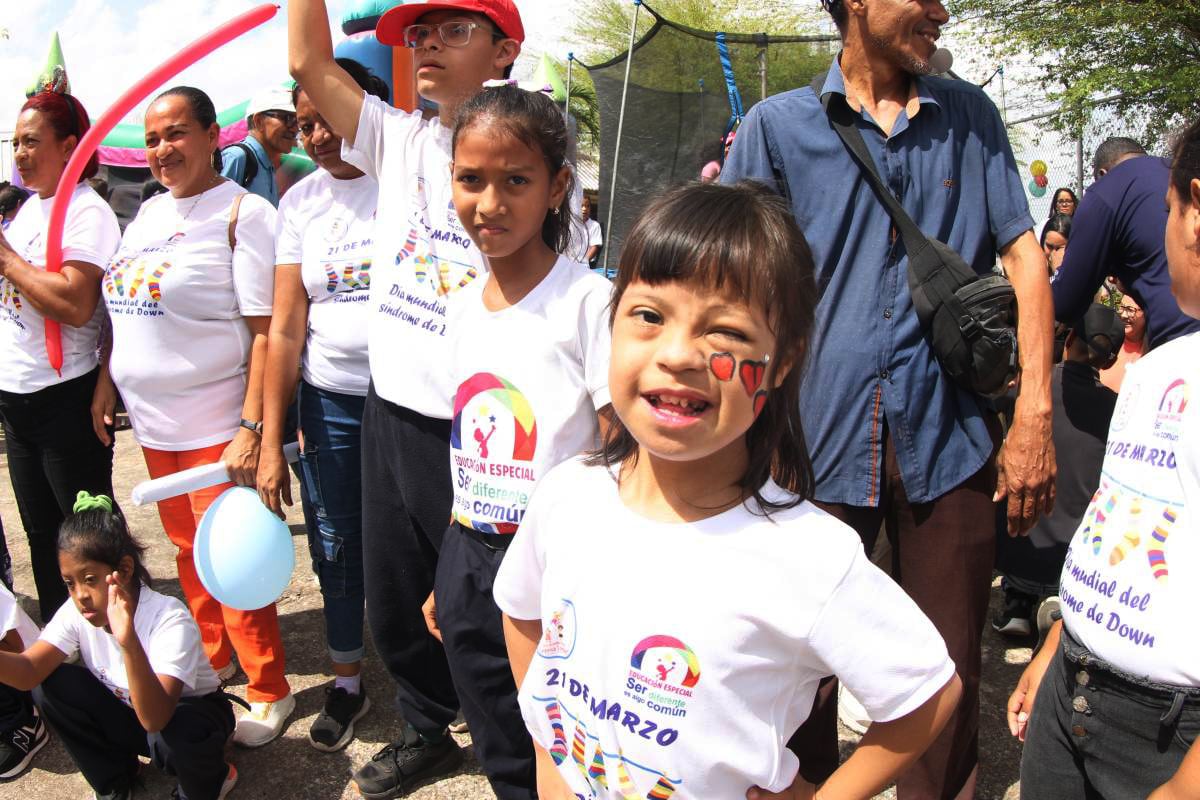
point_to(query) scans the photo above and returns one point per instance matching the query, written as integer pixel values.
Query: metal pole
(567, 99)
(1003, 99)
(1079, 161)
(762, 72)
(612, 190)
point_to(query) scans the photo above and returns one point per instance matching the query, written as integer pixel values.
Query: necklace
(196, 202)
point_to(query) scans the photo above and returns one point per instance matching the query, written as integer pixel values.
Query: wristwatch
(257, 427)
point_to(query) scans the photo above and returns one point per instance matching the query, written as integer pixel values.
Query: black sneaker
(334, 726)
(1014, 619)
(20, 745)
(403, 766)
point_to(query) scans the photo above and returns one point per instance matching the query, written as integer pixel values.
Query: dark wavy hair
(67, 117)
(537, 121)
(1185, 161)
(368, 81)
(741, 239)
(1054, 200)
(202, 110)
(102, 536)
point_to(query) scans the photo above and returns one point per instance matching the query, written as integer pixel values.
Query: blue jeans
(331, 469)
(1098, 734)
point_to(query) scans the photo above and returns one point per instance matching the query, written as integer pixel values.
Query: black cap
(1102, 330)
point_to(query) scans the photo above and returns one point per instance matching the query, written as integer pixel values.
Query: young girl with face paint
(672, 601)
(142, 686)
(529, 357)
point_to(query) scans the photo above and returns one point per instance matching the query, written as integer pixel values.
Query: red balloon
(1042, 181)
(91, 140)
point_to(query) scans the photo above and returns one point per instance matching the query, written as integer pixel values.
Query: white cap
(276, 98)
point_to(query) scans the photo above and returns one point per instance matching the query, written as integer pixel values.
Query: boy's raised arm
(310, 60)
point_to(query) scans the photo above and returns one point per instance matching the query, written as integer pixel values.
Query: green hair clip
(88, 502)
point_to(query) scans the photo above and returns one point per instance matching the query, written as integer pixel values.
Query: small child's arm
(521, 637)
(25, 670)
(1185, 783)
(152, 696)
(886, 750)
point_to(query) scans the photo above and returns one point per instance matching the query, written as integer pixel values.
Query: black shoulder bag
(969, 319)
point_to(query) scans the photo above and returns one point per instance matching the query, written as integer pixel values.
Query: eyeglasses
(1128, 312)
(1065, 201)
(452, 34)
(286, 117)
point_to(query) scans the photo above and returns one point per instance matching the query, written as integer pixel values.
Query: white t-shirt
(166, 630)
(1131, 582)
(177, 298)
(531, 378)
(423, 257)
(325, 226)
(679, 658)
(585, 234)
(91, 235)
(14, 618)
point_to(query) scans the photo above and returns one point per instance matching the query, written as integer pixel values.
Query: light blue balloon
(243, 553)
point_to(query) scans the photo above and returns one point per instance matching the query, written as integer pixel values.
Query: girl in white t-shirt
(189, 295)
(529, 357)
(143, 685)
(51, 448)
(323, 251)
(672, 602)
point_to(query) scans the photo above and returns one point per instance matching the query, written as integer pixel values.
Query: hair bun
(88, 502)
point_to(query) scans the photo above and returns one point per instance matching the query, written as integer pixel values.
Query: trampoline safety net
(677, 109)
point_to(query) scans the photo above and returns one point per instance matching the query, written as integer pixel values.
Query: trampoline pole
(567, 99)
(612, 189)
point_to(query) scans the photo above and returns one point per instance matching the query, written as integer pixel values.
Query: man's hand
(429, 609)
(1025, 471)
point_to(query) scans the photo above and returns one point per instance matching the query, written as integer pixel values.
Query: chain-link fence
(1068, 156)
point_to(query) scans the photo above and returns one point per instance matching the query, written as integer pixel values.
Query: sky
(109, 44)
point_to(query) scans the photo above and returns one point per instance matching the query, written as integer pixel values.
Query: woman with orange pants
(189, 295)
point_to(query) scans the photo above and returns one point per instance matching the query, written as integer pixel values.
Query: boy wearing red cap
(422, 257)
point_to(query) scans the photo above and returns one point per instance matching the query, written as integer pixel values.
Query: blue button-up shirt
(949, 162)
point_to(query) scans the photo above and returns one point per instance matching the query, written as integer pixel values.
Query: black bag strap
(250, 168)
(842, 119)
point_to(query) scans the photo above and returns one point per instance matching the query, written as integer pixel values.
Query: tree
(1147, 51)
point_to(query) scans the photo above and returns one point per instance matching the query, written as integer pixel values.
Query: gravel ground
(289, 767)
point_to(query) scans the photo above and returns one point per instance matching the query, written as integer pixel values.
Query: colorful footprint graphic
(1157, 553)
(1130, 541)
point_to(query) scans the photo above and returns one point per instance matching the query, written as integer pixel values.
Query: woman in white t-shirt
(322, 284)
(672, 603)
(51, 449)
(142, 685)
(189, 296)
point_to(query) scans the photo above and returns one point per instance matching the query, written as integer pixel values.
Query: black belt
(492, 541)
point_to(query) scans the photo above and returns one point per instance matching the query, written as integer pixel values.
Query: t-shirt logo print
(433, 270)
(348, 276)
(558, 634)
(10, 295)
(135, 270)
(1170, 410)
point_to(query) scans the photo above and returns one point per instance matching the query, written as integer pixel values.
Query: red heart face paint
(760, 400)
(752, 373)
(722, 365)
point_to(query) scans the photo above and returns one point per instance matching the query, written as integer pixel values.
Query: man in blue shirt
(1118, 230)
(252, 162)
(894, 442)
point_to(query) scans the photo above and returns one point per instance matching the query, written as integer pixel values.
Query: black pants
(53, 453)
(15, 708)
(104, 738)
(1097, 734)
(406, 498)
(473, 633)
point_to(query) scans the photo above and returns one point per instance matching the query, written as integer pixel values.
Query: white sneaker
(263, 722)
(851, 712)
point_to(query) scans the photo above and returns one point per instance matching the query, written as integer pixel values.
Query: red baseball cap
(503, 13)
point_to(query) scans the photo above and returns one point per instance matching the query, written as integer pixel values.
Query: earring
(555, 210)
(767, 358)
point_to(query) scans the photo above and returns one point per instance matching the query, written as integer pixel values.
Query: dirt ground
(289, 767)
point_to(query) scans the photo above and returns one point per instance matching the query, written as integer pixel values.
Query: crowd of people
(619, 530)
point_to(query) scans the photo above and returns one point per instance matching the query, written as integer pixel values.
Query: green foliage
(583, 105)
(1146, 50)
(672, 64)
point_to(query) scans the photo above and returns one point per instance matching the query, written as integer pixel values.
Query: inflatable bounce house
(123, 155)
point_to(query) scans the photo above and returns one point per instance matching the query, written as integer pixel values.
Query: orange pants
(253, 635)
